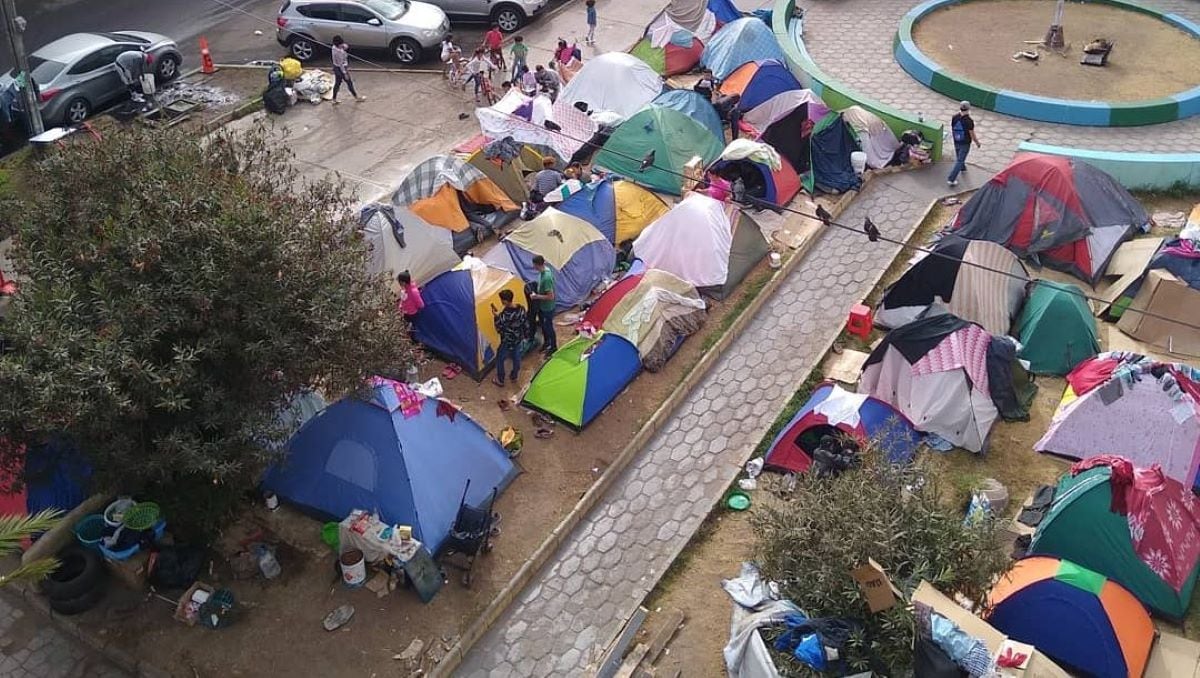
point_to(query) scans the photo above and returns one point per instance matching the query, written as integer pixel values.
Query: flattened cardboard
(1173, 657)
(1113, 339)
(1127, 264)
(1039, 666)
(1164, 295)
(879, 591)
(845, 367)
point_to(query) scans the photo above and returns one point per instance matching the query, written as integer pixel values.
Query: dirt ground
(693, 582)
(977, 39)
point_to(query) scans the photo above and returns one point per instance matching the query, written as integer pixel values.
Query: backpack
(959, 129)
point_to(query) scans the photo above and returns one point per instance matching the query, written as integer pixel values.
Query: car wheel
(509, 18)
(302, 48)
(77, 110)
(79, 571)
(168, 68)
(406, 50)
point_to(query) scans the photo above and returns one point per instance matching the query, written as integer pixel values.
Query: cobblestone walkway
(32, 647)
(615, 555)
(852, 41)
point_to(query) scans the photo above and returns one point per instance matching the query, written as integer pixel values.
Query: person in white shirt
(450, 53)
(478, 68)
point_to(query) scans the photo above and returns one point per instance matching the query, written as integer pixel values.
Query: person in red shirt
(493, 40)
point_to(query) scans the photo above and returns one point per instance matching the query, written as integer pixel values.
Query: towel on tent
(745, 149)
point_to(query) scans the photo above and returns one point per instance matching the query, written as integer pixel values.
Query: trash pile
(203, 93)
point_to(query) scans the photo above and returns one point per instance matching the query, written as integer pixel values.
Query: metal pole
(14, 26)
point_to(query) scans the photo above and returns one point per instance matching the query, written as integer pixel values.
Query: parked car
(405, 28)
(508, 14)
(76, 75)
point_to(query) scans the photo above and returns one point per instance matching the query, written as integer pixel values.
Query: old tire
(79, 604)
(80, 571)
(406, 50)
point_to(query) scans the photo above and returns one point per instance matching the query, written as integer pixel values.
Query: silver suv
(405, 28)
(508, 14)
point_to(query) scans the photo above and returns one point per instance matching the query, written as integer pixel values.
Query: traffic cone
(206, 62)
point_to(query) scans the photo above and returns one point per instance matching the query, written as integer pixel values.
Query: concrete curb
(1144, 171)
(1034, 107)
(538, 559)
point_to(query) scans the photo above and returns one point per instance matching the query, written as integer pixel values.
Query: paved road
(32, 647)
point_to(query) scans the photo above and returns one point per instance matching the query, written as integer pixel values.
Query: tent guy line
(868, 228)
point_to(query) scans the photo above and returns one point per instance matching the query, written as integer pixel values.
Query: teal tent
(1056, 328)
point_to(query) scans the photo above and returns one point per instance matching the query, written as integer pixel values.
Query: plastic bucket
(90, 530)
(858, 160)
(330, 535)
(354, 568)
(115, 513)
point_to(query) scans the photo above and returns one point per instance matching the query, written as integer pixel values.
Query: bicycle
(456, 70)
(488, 90)
(496, 56)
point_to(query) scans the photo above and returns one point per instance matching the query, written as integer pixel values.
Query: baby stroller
(471, 535)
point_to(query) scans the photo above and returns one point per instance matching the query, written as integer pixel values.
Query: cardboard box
(879, 591)
(131, 572)
(1165, 295)
(1039, 665)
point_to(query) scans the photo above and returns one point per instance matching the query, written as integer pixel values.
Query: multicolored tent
(1087, 624)
(433, 188)
(619, 209)
(1147, 526)
(768, 92)
(949, 377)
(765, 175)
(579, 255)
(1068, 213)
(738, 42)
(508, 174)
(456, 322)
(1056, 329)
(694, 105)
(407, 459)
(1121, 403)
(668, 48)
(705, 242)
(668, 138)
(583, 377)
(653, 309)
(402, 241)
(833, 411)
(961, 276)
(613, 81)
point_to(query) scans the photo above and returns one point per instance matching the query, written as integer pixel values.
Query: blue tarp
(595, 204)
(573, 282)
(770, 79)
(447, 323)
(740, 42)
(411, 470)
(724, 10)
(56, 476)
(694, 105)
(830, 147)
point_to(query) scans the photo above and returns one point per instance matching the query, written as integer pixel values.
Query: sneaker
(951, 183)
(335, 102)
(360, 99)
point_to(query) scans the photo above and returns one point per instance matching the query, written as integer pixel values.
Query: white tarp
(754, 151)
(875, 137)
(693, 241)
(614, 81)
(498, 121)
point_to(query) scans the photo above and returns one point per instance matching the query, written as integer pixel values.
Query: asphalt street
(229, 25)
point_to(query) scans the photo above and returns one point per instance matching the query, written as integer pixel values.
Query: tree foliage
(893, 514)
(176, 293)
(13, 530)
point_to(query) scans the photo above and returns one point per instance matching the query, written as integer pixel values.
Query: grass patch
(1175, 191)
(677, 566)
(789, 410)
(751, 291)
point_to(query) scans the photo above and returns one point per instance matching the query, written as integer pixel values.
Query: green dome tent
(1056, 328)
(673, 138)
(583, 377)
(1151, 549)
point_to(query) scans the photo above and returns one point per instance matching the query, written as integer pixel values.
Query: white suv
(405, 28)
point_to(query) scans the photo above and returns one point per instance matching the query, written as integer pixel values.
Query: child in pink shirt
(410, 302)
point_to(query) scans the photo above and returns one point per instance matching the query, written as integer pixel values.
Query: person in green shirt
(544, 295)
(519, 52)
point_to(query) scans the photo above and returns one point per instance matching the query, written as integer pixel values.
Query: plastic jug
(267, 563)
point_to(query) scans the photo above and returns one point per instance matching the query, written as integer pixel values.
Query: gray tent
(402, 241)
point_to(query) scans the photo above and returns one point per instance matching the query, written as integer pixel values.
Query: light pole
(14, 26)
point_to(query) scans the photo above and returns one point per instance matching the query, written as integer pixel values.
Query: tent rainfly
(654, 310)
(669, 138)
(613, 81)
(582, 378)
(1056, 329)
(402, 241)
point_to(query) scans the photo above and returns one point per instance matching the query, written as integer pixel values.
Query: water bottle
(267, 564)
(411, 375)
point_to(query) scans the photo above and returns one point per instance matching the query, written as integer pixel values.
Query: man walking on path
(510, 322)
(341, 68)
(962, 129)
(591, 22)
(544, 295)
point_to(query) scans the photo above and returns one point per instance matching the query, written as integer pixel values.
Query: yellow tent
(637, 208)
(507, 174)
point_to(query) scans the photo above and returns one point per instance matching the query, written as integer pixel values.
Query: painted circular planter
(1035, 107)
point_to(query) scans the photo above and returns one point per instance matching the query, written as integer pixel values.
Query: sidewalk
(617, 553)
(33, 647)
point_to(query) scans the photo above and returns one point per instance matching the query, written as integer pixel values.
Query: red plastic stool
(860, 321)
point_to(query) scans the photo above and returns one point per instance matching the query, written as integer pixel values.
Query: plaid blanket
(426, 178)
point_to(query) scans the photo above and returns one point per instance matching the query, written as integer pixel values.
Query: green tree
(14, 529)
(894, 514)
(177, 293)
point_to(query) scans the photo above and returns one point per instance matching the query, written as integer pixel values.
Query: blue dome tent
(740, 42)
(695, 106)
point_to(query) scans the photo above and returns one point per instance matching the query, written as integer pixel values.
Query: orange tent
(432, 189)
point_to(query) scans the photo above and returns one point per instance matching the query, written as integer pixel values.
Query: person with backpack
(962, 129)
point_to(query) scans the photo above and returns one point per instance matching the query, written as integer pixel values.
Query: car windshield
(44, 70)
(388, 9)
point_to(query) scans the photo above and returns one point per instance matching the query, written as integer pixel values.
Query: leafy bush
(177, 293)
(892, 514)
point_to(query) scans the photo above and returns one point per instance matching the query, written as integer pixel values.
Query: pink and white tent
(1132, 406)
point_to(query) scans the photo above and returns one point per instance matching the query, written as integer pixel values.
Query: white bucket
(776, 260)
(858, 160)
(354, 568)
